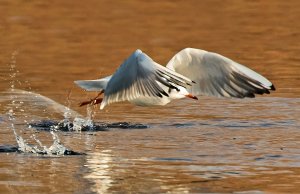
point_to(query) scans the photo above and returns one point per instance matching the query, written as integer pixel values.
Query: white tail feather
(93, 85)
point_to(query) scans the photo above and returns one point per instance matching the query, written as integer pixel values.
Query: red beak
(191, 96)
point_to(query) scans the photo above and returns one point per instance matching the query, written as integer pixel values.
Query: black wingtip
(159, 95)
(250, 95)
(164, 93)
(273, 87)
(193, 82)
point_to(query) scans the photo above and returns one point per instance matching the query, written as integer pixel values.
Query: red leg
(93, 101)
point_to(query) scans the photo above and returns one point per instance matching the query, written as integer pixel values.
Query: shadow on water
(16, 149)
(46, 125)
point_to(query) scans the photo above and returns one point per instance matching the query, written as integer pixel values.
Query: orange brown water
(214, 145)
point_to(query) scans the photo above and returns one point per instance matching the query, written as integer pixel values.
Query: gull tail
(93, 85)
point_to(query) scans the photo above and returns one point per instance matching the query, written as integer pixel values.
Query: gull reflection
(99, 165)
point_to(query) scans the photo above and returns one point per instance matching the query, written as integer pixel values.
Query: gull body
(190, 73)
(153, 101)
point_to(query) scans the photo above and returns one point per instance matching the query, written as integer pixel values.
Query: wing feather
(216, 75)
(139, 76)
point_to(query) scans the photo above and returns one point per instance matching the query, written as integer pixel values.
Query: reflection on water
(207, 154)
(100, 166)
(198, 161)
(213, 146)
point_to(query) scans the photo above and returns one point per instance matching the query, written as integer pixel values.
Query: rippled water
(209, 146)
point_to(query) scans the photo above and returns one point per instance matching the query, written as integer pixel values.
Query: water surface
(209, 146)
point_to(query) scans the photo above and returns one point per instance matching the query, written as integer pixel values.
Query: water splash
(57, 148)
(16, 101)
(12, 69)
(71, 121)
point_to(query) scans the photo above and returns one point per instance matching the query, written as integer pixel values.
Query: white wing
(140, 76)
(93, 85)
(216, 75)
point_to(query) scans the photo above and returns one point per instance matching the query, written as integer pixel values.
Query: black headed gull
(190, 73)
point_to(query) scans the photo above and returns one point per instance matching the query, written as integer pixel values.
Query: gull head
(182, 93)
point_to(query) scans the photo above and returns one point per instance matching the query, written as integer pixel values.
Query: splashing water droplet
(57, 148)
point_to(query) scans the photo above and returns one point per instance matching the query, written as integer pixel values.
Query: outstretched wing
(139, 76)
(216, 75)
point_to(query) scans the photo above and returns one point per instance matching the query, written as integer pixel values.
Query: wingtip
(79, 83)
(138, 51)
(102, 105)
(272, 87)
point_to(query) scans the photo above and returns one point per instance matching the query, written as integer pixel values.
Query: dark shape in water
(71, 152)
(11, 149)
(66, 153)
(124, 125)
(8, 148)
(182, 125)
(47, 124)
